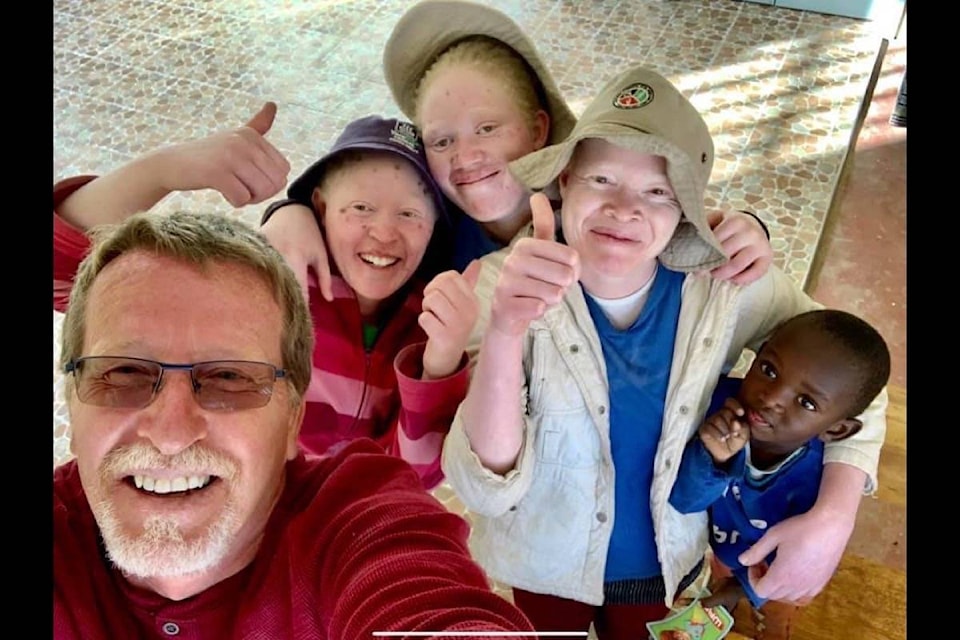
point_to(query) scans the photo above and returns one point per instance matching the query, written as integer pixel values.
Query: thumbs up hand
(239, 163)
(535, 275)
(544, 220)
(450, 309)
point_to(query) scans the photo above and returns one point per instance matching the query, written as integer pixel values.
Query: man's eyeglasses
(133, 383)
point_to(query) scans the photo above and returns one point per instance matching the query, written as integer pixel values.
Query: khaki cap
(643, 111)
(431, 27)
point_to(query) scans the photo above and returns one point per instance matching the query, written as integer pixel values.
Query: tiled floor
(861, 267)
(780, 89)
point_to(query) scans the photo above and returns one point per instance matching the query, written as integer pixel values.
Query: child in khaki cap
(596, 354)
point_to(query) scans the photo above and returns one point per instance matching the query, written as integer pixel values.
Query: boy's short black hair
(865, 346)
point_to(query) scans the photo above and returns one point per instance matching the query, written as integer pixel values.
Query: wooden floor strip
(866, 599)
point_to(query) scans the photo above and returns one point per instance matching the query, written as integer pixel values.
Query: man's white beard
(160, 550)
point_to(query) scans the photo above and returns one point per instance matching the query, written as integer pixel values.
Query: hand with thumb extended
(544, 221)
(536, 274)
(450, 310)
(239, 163)
(263, 120)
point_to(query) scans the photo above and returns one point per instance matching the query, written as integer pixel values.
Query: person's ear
(319, 205)
(293, 429)
(843, 429)
(562, 181)
(541, 129)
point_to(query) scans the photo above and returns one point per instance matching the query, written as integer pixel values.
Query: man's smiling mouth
(164, 486)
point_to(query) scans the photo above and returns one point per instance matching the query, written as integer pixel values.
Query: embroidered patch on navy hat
(404, 133)
(633, 97)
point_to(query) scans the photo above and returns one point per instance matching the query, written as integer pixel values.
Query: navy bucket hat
(374, 133)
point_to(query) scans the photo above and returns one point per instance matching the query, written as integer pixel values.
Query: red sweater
(354, 546)
(353, 392)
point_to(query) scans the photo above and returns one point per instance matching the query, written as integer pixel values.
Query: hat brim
(302, 188)
(431, 27)
(693, 246)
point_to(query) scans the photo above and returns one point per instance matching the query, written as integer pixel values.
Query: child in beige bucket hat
(431, 27)
(467, 75)
(613, 345)
(642, 111)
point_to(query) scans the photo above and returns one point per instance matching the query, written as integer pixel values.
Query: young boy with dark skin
(758, 458)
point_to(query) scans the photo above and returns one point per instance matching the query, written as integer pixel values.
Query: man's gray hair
(198, 239)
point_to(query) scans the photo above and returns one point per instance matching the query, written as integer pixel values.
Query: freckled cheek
(341, 237)
(520, 142)
(419, 235)
(438, 168)
(424, 230)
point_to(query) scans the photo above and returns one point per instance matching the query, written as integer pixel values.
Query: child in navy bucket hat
(371, 134)
(388, 362)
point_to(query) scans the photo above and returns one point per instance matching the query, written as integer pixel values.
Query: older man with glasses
(188, 510)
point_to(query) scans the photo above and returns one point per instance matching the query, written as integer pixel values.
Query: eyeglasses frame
(73, 367)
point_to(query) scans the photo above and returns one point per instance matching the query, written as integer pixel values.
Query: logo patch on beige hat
(633, 97)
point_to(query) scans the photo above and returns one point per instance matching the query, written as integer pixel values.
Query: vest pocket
(569, 441)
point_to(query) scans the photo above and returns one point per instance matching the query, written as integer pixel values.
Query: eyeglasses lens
(131, 383)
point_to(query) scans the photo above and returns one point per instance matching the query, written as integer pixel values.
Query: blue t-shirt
(470, 241)
(638, 363)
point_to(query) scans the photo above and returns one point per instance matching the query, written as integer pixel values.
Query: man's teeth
(378, 261)
(166, 485)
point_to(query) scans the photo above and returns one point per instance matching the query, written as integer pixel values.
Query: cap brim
(693, 246)
(302, 188)
(430, 27)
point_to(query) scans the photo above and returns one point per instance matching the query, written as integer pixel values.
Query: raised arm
(432, 377)
(711, 460)
(239, 163)
(535, 276)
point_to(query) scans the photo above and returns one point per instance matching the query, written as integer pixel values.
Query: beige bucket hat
(431, 27)
(641, 110)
